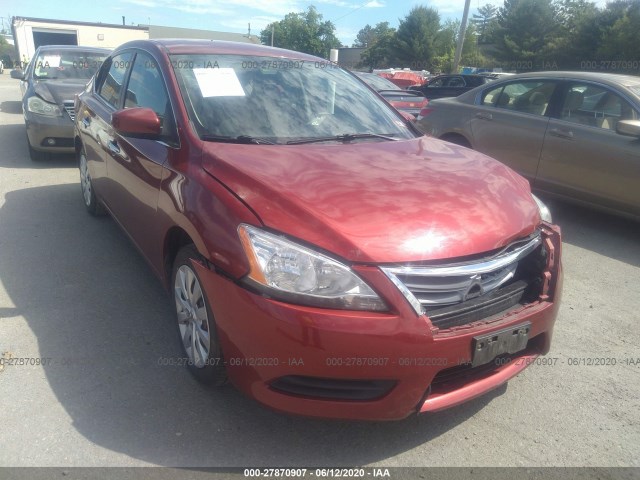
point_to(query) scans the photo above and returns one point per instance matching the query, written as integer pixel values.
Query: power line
(354, 10)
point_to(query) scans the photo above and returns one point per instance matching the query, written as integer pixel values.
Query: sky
(348, 16)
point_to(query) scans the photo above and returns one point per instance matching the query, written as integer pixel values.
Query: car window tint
(595, 106)
(111, 84)
(490, 96)
(526, 96)
(146, 87)
(456, 82)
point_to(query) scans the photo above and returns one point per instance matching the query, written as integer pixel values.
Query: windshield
(280, 100)
(65, 64)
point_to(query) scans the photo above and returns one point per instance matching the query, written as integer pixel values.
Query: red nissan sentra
(324, 256)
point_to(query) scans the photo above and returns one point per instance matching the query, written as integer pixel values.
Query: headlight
(545, 213)
(296, 274)
(39, 106)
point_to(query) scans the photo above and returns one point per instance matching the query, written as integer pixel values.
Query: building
(30, 33)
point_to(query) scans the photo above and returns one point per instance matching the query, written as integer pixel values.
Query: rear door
(583, 157)
(510, 123)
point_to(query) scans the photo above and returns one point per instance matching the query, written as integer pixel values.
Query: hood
(58, 91)
(380, 202)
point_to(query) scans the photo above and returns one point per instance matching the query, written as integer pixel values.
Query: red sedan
(323, 256)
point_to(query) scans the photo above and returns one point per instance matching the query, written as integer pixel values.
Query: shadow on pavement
(16, 154)
(602, 233)
(11, 106)
(99, 314)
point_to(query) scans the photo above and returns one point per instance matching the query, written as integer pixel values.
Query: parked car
(407, 101)
(450, 85)
(322, 254)
(49, 84)
(575, 135)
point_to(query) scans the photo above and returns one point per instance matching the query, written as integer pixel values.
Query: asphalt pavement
(74, 290)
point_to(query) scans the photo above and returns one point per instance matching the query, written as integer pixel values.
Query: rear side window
(111, 82)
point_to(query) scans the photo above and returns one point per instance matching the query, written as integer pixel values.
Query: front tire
(195, 321)
(94, 207)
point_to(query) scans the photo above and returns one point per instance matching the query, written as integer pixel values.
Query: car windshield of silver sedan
(265, 100)
(72, 64)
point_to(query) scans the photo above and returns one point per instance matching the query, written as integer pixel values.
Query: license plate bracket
(509, 340)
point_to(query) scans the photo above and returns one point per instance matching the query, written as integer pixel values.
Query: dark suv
(450, 85)
(49, 84)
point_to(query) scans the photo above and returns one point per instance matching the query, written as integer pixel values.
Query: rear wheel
(457, 139)
(196, 324)
(94, 207)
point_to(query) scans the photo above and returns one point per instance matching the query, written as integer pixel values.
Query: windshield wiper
(346, 137)
(239, 139)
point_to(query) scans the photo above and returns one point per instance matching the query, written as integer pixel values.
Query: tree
(526, 32)
(579, 33)
(415, 38)
(483, 21)
(304, 32)
(379, 43)
(621, 40)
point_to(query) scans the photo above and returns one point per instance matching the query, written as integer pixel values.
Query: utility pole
(273, 31)
(461, 33)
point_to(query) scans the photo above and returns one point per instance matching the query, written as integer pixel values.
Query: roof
(77, 48)
(158, 32)
(616, 78)
(71, 22)
(188, 46)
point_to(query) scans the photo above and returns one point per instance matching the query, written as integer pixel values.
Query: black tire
(93, 205)
(208, 368)
(457, 139)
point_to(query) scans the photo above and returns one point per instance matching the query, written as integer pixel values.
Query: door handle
(86, 121)
(484, 116)
(113, 147)
(556, 132)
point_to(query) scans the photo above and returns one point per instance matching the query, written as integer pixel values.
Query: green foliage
(415, 40)
(526, 30)
(379, 43)
(304, 32)
(485, 22)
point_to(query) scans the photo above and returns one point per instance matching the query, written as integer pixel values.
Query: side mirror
(630, 128)
(17, 74)
(137, 122)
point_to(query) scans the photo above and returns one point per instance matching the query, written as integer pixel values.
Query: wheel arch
(175, 239)
(457, 138)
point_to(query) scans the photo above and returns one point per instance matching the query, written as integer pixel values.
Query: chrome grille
(69, 108)
(432, 287)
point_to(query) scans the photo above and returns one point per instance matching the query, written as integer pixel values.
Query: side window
(146, 87)
(595, 106)
(110, 83)
(438, 82)
(456, 82)
(531, 96)
(490, 96)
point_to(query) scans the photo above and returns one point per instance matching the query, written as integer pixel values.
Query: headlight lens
(293, 273)
(39, 106)
(545, 213)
